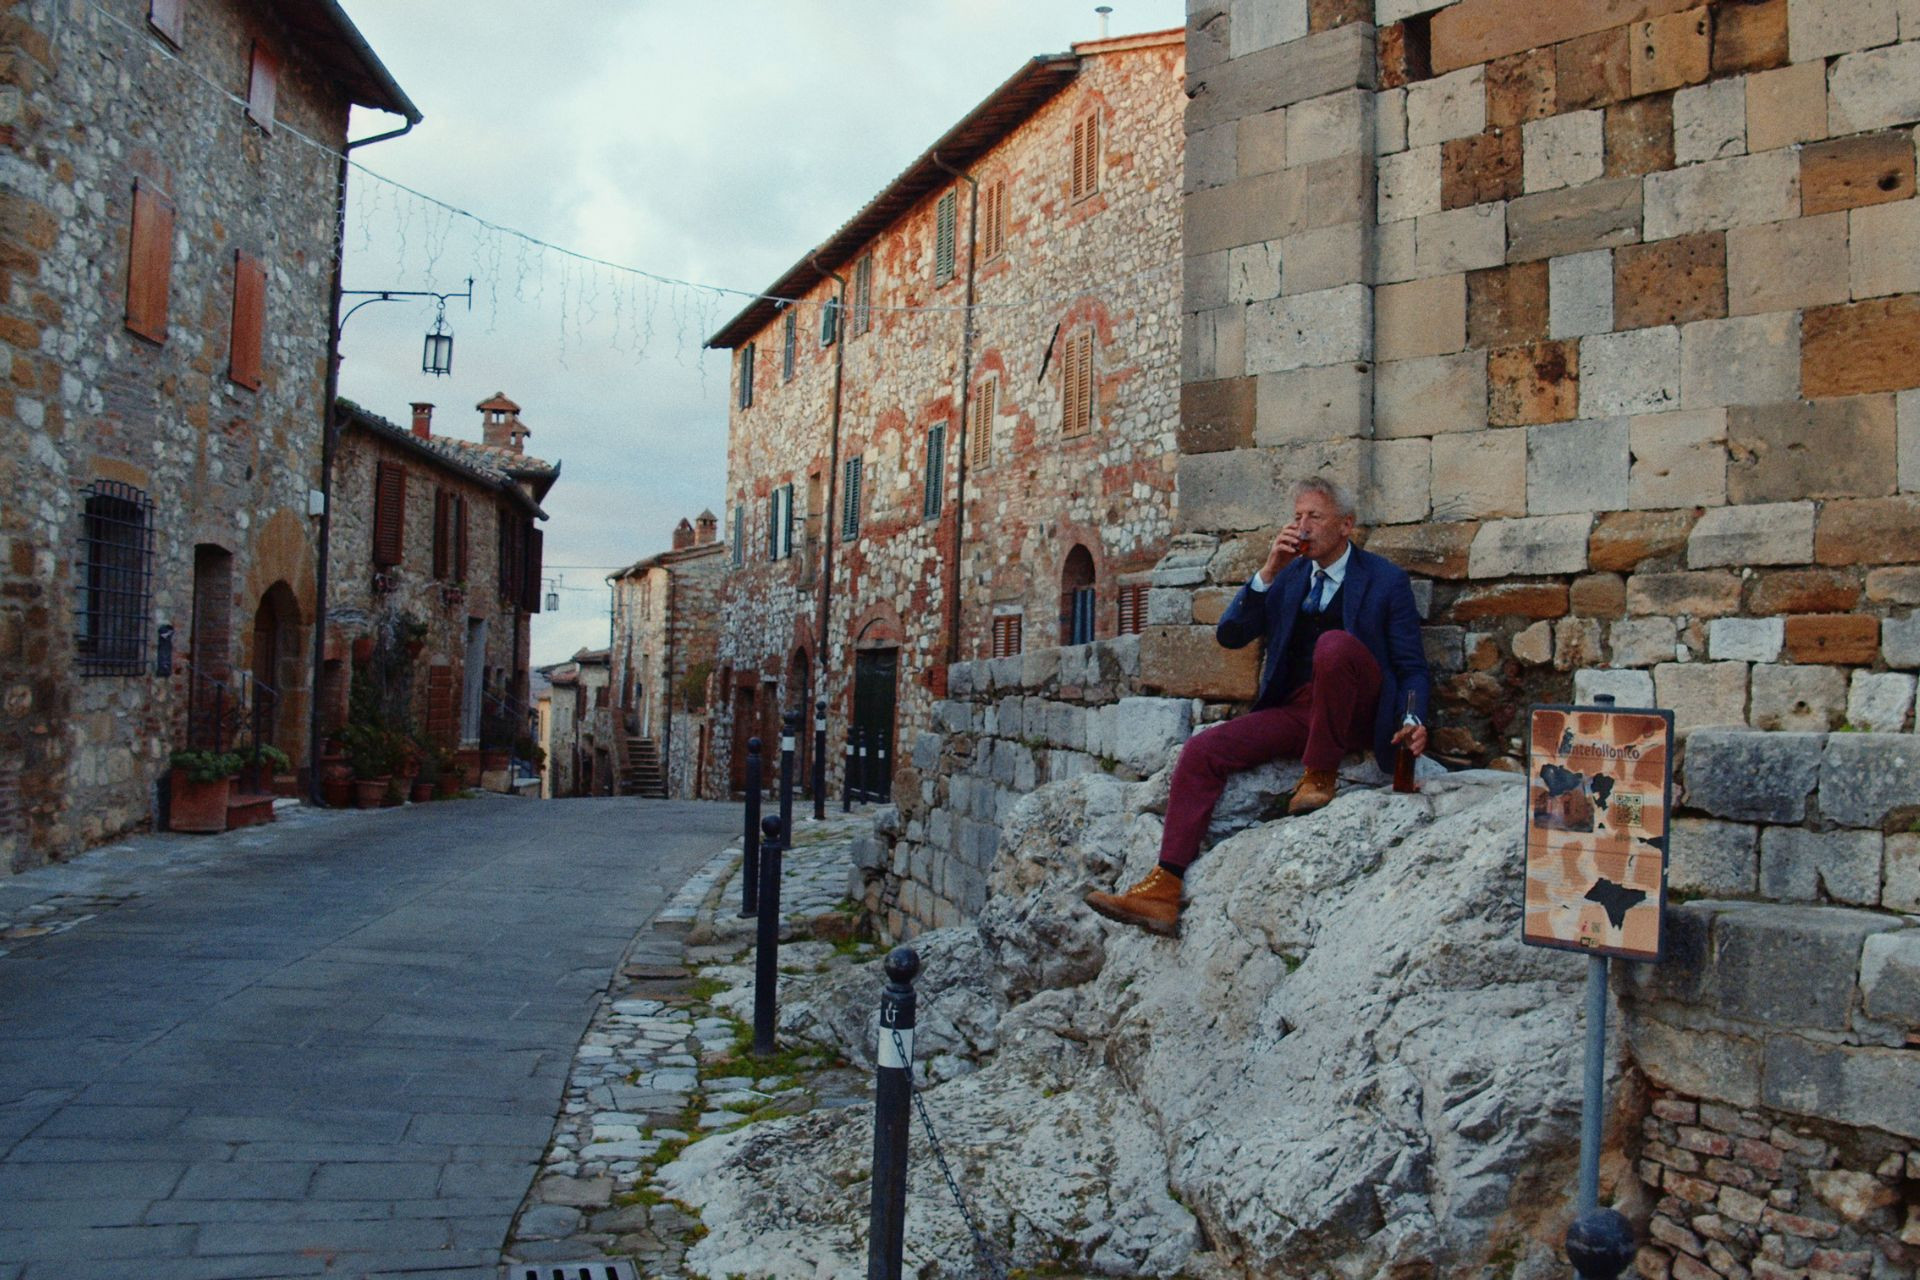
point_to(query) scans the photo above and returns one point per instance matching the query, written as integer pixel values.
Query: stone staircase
(644, 774)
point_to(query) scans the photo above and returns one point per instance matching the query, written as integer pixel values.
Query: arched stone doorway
(278, 666)
(1077, 597)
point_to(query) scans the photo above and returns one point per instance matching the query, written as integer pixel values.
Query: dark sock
(1178, 873)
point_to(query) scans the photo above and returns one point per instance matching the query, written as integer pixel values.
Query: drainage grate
(592, 1269)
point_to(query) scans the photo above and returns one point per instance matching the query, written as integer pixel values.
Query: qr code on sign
(1628, 810)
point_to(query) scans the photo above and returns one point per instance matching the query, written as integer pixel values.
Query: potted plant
(370, 752)
(427, 779)
(451, 777)
(200, 784)
(266, 758)
(336, 774)
(406, 761)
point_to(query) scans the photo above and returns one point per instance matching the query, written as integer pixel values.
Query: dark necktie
(1316, 599)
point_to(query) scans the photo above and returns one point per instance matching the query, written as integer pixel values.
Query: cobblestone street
(332, 1046)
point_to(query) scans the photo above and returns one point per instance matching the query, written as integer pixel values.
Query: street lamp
(553, 595)
(437, 356)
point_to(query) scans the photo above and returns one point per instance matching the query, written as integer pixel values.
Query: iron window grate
(592, 1269)
(115, 579)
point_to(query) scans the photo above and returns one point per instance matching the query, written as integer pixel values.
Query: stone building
(435, 566)
(957, 440)
(169, 239)
(580, 738)
(666, 631)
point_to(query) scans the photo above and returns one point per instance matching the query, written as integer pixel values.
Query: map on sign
(1599, 792)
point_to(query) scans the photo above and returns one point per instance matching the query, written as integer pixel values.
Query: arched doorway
(1077, 597)
(277, 666)
(210, 697)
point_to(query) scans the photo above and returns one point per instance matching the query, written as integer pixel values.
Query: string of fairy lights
(592, 289)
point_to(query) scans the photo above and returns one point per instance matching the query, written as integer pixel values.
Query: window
(1076, 384)
(936, 470)
(945, 216)
(780, 523)
(149, 262)
(986, 403)
(739, 533)
(389, 513)
(115, 579)
(1086, 155)
(249, 321)
(263, 86)
(862, 294)
(460, 539)
(746, 376)
(1006, 635)
(532, 547)
(829, 322)
(850, 502)
(993, 219)
(510, 555)
(788, 335)
(442, 533)
(1077, 597)
(1133, 609)
(169, 18)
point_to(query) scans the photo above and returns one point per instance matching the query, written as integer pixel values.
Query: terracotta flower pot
(197, 806)
(369, 792)
(422, 792)
(449, 785)
(337, 792)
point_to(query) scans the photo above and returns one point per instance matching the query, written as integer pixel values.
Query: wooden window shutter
(993, 219)
(863, 294)
(1133, 608)
(149, 262)
(786, 520)
(263, 86)
(936, 471)
(1006, 635)
(530, 580)
(773, 525)
(746, 376)
(169, 18)
(850, 502)
(249, 321)
(1076, 375)
(389, 513)
(946, 218)
(788, 341)
(986, 405)
(442, 545)
(506, 554)
(739, 533)
(1086, 155)
(829, 322)
(460, 539)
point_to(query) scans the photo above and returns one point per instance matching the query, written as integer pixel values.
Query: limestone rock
(1347, 1064)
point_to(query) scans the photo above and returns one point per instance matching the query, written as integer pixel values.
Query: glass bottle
(1403, 756)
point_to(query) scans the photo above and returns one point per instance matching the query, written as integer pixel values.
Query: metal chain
(991, 1258)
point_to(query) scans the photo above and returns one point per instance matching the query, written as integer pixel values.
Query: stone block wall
(1617, 346)
(1006, 726)
(1781, 1034)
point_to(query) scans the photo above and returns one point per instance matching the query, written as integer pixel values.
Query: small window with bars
(1133, 609)
(981, 413)
(1086, 155)
(993, 219)
(115, 579)
(1006, 635)
(780, 523)
(739, 533)
(1076, 384)
(936, 471)
(789, 338)
(946, 215)
(746, 376)
(850, 501)
(862, 316)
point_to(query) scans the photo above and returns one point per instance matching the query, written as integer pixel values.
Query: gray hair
(1332, 490)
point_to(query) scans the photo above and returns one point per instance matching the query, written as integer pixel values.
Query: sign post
(1599, 805)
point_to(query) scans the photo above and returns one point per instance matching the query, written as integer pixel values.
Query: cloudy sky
(700, 141)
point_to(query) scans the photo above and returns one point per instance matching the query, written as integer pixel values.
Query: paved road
(337, 1049)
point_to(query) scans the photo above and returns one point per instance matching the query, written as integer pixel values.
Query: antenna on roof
(1103, 10)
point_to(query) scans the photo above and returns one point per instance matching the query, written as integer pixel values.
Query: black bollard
(1600, 1244)
(860, 765)
(789, 739)
(750, 847)
(766, 952)
(820, 760)
(892, 1097)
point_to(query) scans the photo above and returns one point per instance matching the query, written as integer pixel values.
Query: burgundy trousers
(1326, 718)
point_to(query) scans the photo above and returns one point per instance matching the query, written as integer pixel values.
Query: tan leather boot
(1153, 904)
(1315, 790)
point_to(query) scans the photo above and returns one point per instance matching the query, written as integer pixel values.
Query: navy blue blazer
(1377, 609)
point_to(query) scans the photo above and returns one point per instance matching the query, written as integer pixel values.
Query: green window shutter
(850, 508)
(739, 533)
(863, 295)
(936, 470)
(746, 375)
(829, 322)
(943, 238)
(787, 344)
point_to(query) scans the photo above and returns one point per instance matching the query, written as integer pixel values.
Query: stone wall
(665, 635)
(1103, 264)
(1006, 726)
(1779, 1033)
(1608, 312)
(92, 102)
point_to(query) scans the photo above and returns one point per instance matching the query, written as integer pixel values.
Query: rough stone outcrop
(1346, 1065)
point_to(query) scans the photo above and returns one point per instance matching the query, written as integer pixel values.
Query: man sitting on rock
(1343, 655)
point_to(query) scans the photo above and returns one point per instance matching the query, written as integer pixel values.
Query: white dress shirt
(1336, 574)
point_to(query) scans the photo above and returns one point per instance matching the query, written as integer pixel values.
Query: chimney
(682, 535)
(500, 424)
(708, 525)
(423, 419)
(1103, 11)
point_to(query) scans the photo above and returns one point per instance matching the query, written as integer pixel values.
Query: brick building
(666, 632)
(436, 569)
(169, 237)
(957, 439)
